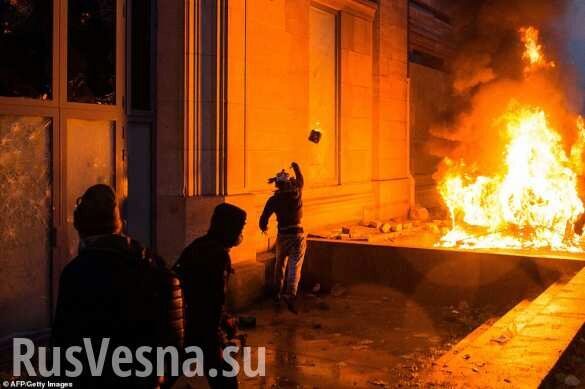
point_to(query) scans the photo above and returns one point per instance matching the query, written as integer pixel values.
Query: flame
(532, 202)
(578, 148)
(533, 50)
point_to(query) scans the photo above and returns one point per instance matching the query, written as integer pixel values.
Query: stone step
(527, 347)
(445, 359)
(443, 369)
(503, 332)
(475, 351)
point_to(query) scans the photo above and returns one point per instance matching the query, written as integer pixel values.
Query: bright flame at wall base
(532, 203)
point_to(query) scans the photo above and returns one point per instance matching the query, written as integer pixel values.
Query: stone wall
(238, 106)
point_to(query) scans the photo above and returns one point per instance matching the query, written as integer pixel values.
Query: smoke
(573, 28)
(487, 75)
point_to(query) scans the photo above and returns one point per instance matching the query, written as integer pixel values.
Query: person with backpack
(114, 288)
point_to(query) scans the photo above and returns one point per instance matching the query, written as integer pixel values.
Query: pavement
(364, 336)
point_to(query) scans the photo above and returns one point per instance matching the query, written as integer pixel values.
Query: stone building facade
(184, 104)
(241, 84)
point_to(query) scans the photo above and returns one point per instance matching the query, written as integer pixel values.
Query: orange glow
(532, 200)
(533, 50)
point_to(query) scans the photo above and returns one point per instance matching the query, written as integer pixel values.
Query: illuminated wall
(255, 78)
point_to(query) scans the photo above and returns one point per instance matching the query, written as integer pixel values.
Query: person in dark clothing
(204, 268)
(115, 289)
(287, 204)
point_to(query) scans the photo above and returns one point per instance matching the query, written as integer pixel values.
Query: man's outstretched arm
(298, 175)
(268, 211)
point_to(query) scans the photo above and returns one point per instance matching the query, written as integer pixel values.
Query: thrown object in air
(315, 135)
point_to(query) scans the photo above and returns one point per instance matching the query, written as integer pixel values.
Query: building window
(323, 106)
(91, 51)
(26, 33)
(140, 55)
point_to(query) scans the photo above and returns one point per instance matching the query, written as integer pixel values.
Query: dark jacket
(116, 289)
(204, 268)
(288, 206)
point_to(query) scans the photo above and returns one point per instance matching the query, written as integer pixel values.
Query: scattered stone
(419, 213)
(337, 290)
(571, 380)
(396, 227)
(502, 339)
(381, 383)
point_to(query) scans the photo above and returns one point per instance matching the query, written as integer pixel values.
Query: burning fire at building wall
(532, 199)
(339, 193)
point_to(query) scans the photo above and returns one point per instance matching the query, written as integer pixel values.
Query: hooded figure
(204, 268)
(114, 289)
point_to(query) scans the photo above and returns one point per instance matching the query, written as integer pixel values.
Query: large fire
(533, 202)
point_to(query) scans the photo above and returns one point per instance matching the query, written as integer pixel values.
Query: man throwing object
(287, 204)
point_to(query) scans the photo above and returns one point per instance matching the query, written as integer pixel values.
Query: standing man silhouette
(287, 204)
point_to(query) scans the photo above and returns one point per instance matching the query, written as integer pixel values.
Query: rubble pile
(418, 223)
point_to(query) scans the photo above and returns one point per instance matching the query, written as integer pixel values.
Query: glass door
(62, 93)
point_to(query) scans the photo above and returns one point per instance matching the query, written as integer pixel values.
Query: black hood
(227, 224)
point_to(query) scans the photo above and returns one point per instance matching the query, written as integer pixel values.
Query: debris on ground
(570, 369)
(338, 290)
(571, 380)
(316, 288)
(396, 227)
(381, 383)
(385, 228)
(419, 213)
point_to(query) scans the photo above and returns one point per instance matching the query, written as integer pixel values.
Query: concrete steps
(520, 348)
(477, 336)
